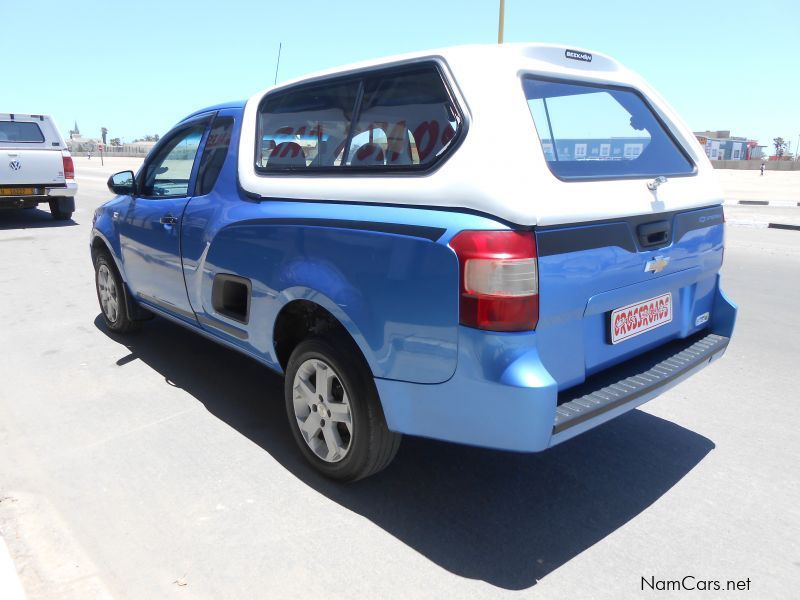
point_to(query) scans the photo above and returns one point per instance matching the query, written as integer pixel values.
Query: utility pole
(278, 63)
(501, 24)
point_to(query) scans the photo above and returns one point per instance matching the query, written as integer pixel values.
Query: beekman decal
(576, 55)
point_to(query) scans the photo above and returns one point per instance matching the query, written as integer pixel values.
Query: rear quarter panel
(393, 292)
(386, 273)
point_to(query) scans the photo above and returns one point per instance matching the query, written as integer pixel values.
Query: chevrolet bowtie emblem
(656, 265)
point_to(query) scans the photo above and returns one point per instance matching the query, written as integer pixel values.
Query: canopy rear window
(19, 131)
(601, 132)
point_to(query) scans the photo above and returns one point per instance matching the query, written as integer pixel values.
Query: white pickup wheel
(334, 411)
(58, 211)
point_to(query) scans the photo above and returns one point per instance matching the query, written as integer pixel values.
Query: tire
(57, 212)
(111, 295)
(364, 447)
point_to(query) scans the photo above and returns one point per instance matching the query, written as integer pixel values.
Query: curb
(784, 226)
(764, 203)
(10, 585)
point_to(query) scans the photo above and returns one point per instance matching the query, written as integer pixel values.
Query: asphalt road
(160, 465)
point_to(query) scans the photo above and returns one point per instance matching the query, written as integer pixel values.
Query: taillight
(499, 279)
(724, 227)
(69, 166)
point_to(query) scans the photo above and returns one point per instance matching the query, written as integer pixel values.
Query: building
(78, 143)
(615, 148)
(721, 145)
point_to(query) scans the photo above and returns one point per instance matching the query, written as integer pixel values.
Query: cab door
(150, 229)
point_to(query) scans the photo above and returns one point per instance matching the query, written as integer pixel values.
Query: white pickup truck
(35, 165)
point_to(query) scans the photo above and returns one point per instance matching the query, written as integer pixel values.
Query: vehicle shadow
(504, 518)
(20, 218)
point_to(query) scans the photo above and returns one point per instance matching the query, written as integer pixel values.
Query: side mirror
(122, 183)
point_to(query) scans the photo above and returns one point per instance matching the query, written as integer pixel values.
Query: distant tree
(780, 146)
(148, 138)
(116, 142)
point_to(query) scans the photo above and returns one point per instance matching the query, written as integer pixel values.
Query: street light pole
(501, 24)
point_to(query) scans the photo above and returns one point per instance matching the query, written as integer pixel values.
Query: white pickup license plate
(634, 319)
(18, 191)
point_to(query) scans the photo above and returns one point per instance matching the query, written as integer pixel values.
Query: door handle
(654, 234)
(169, 220)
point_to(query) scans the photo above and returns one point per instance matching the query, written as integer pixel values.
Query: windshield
(597, 132)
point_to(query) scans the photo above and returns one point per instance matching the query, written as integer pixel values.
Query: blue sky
(138, 67)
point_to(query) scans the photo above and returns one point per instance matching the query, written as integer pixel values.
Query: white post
(501, 24)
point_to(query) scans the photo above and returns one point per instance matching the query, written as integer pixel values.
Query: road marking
(10, 585)
(746, 223)
(95, 177)
(19, 238)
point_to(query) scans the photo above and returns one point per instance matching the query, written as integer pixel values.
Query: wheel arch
(302, 316)
(100, 243)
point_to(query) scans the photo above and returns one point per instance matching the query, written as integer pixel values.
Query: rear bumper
(70, 190)
(501, 395)
(633, 383)
(44, 194)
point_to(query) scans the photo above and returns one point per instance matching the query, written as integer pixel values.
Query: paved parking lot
(160, 465)
(779, 189)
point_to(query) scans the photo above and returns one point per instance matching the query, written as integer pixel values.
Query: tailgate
(588, 272)
(31, 167)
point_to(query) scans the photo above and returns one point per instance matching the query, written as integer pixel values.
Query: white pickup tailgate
(30, 151)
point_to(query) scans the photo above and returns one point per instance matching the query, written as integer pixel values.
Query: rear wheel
(334, 410)
(111, 295)
(58, 210)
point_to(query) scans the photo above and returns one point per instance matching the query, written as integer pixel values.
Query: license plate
(635, 319)
(17, 191)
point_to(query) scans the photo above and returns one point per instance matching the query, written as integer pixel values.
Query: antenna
(278, 63)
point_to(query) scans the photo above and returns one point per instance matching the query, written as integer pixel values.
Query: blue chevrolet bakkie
(502, 246)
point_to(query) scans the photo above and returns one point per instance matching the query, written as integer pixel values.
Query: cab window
(214, 153)
(168, 173)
